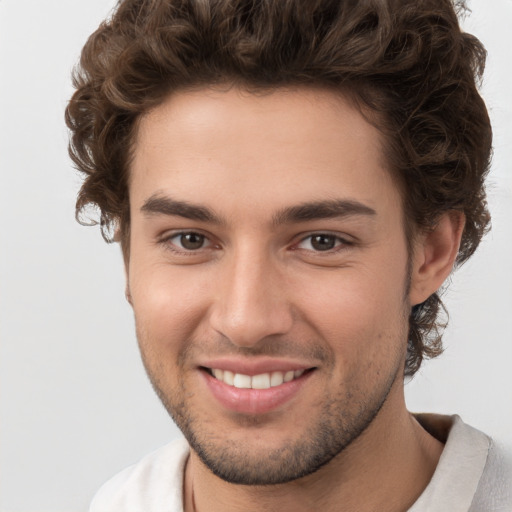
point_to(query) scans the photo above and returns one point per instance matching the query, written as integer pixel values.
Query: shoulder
(474, 474)
(153, 484)
(494, 492)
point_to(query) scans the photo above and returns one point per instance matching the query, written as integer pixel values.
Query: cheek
(352, 297)
(167, 303)
(359, 311)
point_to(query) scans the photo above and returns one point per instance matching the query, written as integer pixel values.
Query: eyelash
(341, 243)
(167, 242)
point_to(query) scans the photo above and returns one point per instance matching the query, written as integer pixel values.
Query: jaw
(247, 441)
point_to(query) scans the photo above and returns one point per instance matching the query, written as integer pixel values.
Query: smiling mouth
(261, 381)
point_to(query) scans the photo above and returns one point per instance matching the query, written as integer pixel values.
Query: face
(268, 276)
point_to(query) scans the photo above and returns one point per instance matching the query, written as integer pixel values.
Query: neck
(386, 468)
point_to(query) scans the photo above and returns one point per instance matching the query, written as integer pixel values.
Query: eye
(189, 241)
(321, 242)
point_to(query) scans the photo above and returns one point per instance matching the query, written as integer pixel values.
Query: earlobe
(127, 292)
(434, 255)
(128, 295)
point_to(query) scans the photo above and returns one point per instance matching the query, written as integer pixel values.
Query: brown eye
(189, 241)
(323, 242)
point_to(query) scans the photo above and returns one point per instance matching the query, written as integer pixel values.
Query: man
(291, 183)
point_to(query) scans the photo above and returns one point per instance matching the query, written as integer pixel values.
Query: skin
(254, 289)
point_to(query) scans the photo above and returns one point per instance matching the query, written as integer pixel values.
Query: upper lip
(255, 366)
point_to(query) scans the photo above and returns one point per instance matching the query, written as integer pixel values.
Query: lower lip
(254, 401)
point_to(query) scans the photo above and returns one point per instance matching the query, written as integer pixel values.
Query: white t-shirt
(472, 476)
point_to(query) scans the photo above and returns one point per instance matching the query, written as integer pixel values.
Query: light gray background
(76, 406)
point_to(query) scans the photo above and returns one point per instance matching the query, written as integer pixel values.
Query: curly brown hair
(406, 62)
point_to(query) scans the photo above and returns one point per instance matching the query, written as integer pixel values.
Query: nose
(250, 303)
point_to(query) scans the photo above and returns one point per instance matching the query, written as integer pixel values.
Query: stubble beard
(341, 419)
(332, 433)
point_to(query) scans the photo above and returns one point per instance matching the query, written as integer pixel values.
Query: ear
(125, 251)
(127, 292)
(435, 251)
(126, 263)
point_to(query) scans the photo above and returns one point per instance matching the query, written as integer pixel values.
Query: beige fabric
(155, 484)
(473, 475)
(465, 463)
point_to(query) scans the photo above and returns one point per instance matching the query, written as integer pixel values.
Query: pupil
(192, 241)
(323, 242)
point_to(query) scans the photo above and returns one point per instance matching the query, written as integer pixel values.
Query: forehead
(230, 148)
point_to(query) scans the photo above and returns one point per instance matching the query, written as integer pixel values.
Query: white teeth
(276, 379)
(242, 381)
(229, 377)
(288, 376)
(261, 381)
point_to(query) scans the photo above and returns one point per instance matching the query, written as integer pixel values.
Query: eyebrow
(315, 210)
(163, 205)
